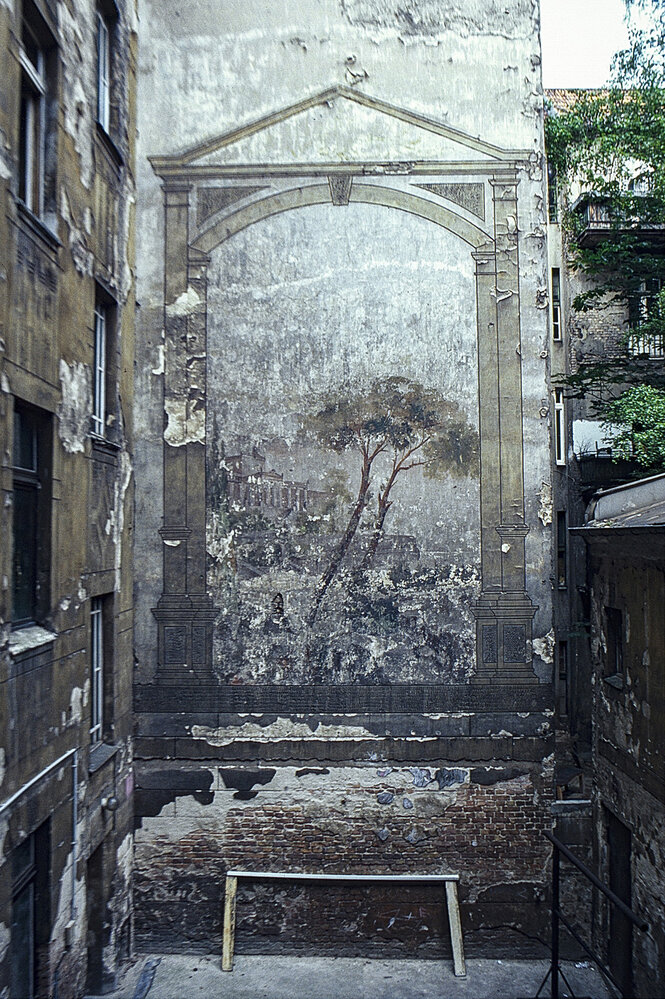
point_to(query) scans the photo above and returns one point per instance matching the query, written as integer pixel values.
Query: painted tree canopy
(610, 145)
(414, 426)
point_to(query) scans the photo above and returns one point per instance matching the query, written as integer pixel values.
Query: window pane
(103, 63)
(99, 388)
(23, 944)
(25, 442)
(97, 669)
(25, 552)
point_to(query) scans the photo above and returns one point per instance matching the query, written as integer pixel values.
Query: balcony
(598, 223)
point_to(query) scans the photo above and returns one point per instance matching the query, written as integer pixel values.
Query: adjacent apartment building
(67, 128)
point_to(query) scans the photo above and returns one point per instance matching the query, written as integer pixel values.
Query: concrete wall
(57, 259)
(341, 229)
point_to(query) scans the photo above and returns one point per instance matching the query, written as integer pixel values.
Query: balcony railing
(599, 221)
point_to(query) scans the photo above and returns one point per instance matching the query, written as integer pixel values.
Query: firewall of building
(343, 628)
(66, 326)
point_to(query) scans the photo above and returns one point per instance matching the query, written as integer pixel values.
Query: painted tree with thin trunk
(410, 424)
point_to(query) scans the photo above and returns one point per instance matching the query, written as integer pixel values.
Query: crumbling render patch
(429, 18)
(75, 407)
(185, 422)
(544, 647)
(545, 509)
(186, 304)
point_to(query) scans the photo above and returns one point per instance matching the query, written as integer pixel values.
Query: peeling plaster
(159, 369)
(77, 701)
(75, 407)
(546, 507)
(5, 940)
(429, 20)
(544, 647)
(283, 729)
(187, 304)
(120, 487)
(77, 34)
(185, 424)
(83, 258)
(6, 169)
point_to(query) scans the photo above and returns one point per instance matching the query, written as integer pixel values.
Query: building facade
(67, 328)
(342, 269)
(625, 537)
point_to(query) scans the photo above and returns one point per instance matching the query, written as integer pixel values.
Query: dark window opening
(31, 514)
(614, 644)
(561, 550)
(562, 678)
(556, 304)
(101, 668)
(30, 928)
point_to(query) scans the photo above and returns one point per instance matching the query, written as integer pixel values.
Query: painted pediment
(338, 126)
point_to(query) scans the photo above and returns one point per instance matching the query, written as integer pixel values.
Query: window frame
(96, 670)
(100, 370)
(103, 412)
(32, 130)
(37, 152)
(103, 70)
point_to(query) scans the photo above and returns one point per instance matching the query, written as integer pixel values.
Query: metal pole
(75, 804)
(620, 904)
(555, 923)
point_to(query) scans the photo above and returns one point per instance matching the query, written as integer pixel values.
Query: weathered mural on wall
(342, 451)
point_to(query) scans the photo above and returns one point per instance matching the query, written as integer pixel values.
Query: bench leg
(229, 931)
(455, 924)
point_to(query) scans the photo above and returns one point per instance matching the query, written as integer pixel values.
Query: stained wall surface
(343, 641)
(67, 252)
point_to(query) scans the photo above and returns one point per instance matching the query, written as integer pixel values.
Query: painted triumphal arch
(256, 516)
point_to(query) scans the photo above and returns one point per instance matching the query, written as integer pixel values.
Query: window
(103, 72)
(562, 678)
(37, 117)
(101, 663)
(30, 928)
(96, 670)
(107, 16)
(104, 365)
(99, 384)
(559, 427)
(31, 514)
(644, 307)
(561, 550)
(556, 304)
(614, 645)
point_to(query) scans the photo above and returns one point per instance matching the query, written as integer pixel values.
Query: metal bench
(452, 904)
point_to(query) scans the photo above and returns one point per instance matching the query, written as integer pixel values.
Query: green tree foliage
(610, 143)
(409, 424)
(636, 423)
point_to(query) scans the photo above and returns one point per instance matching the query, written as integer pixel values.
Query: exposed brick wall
(491, 834)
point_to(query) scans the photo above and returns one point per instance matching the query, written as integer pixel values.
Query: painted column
(504, 611)
(184, 614)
